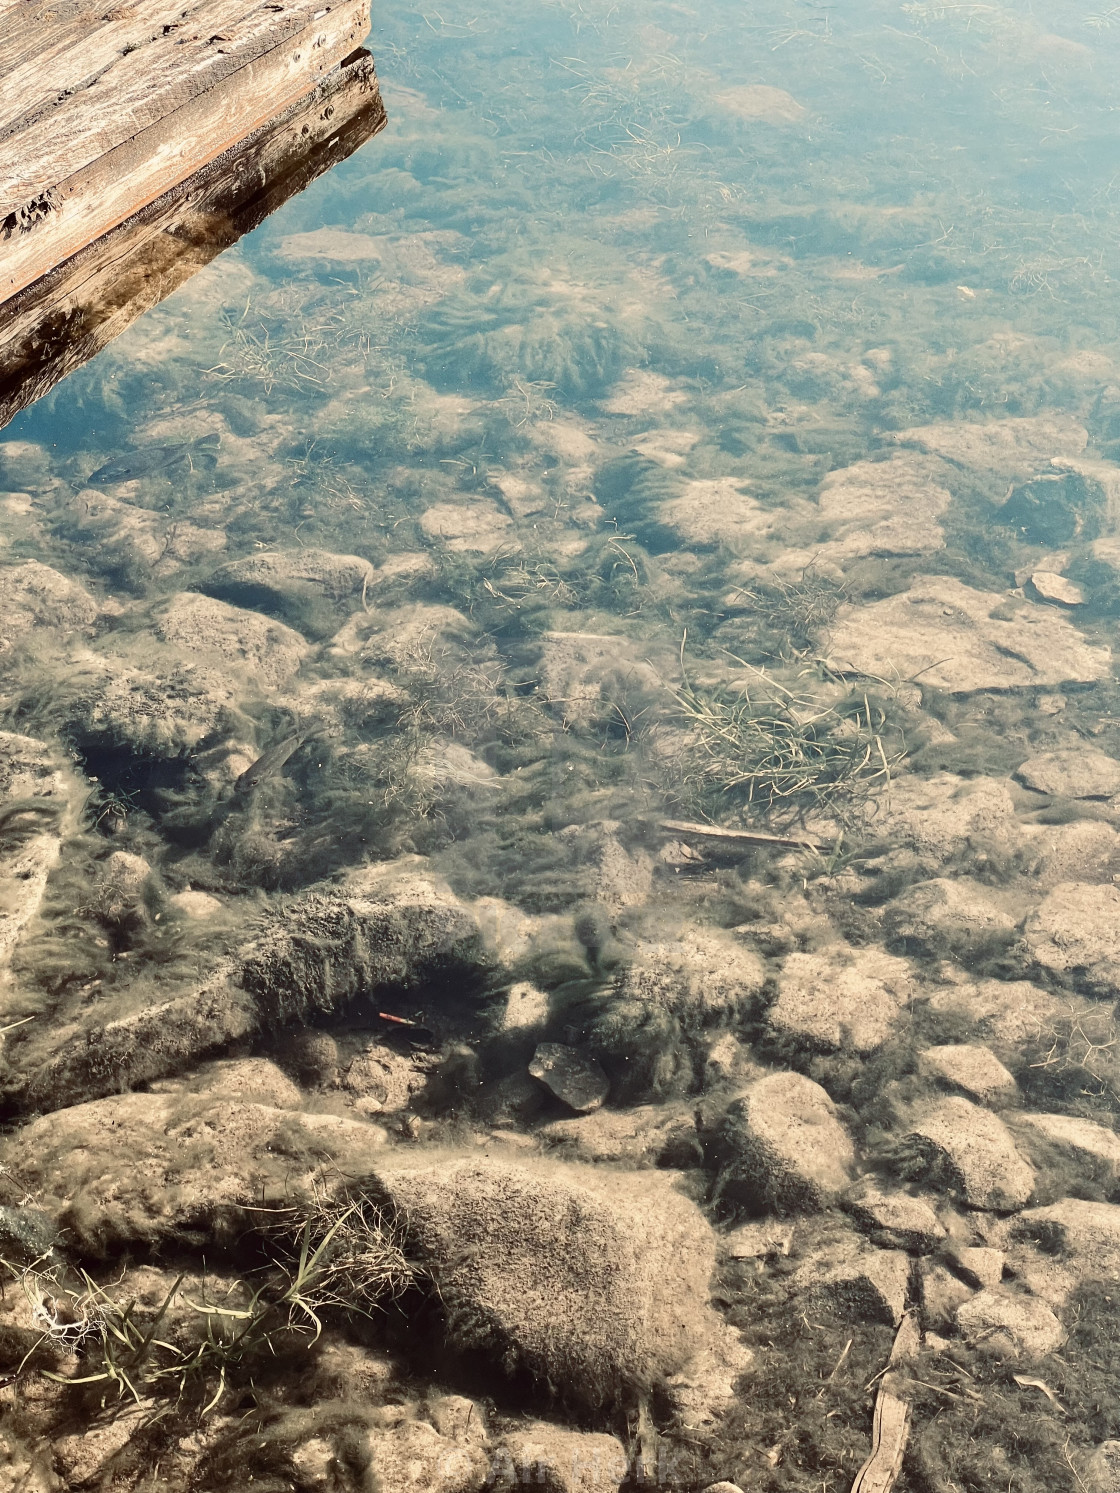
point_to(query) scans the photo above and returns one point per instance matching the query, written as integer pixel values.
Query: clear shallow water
(603, 255)
(643, 356)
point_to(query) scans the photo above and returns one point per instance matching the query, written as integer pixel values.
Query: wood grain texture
(209, 107)
(71, 108)
(71, 314)
(890, 1422)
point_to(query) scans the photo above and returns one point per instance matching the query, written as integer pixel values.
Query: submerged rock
(971, 1154)
(384, 931)
(1007, 1013)
(1010, 1324)
(1075, 933)
(999, 448)
(584, 674)
(894, 1220)
(290, 583)
(785, 1148)
(556, 1460)
(265, 649)
(1051, 587)
(152, 1168)
(594, 1282)
(715, 510)
(1087, 849)
(942, 1293)
(862, 1283)
(948, 916)
(942, 633)
(761, 101)
(385, 928)
(1081, 1241)
(149, 706)
(477, 526)
(928, 821)
(33, 595)
(704, 1390)
(848, 998)
(1102, 1473)
(1076, 772)
(40, 799)
(1089, 1148)
(704, 978)
(576, 1079)
(650, 1135)
(411, 1457)
(882, 508)
(972, 1068)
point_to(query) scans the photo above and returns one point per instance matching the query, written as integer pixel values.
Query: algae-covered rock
(584, 674)
(842, 997)
(650, 1135)
(1102, 1473)
(411, 1457)
(149, 1168)
(385, 928)
(894, 1220)
(1007, 1013)
(40, 799)
(1074, 772)
(265, 649)
(478, 526)
(383, 932)
(703, 977)
(1008, 449)
(972, 1155)
(946, 635)
(1075, 934)
(715, 510)
(948, 916)
(883, 508)
(557, 1460)
(290, 582)
(972, 1068)
(672, 995)
(785, 1148)
(1010, 1324)
(933, 819)
(1084, 1236)
(1090, 1149)
(862, 1283)
(151, 707)
(593, 1282)
(33, 595)
(1087, 849)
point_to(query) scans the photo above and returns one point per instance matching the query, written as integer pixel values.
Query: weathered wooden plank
(120, 85)
(46, 69)
(69, 42)
(890, 1422)
(71, 314)
(134, 173)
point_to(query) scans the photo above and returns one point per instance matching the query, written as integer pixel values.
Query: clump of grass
(797, 610)
(342, 1256)
(774, 753)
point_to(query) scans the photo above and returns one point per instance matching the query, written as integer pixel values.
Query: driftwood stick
(890, 1425)
(740, 836)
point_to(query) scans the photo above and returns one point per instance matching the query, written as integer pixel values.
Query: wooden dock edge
(139, 170)
(68, 315)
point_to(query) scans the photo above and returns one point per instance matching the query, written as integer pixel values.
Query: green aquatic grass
(763, 751)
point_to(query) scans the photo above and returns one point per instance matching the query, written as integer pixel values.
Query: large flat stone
(943, 634)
